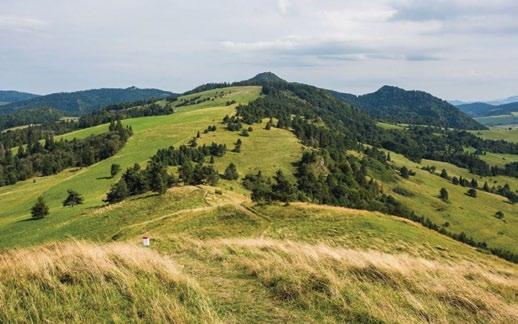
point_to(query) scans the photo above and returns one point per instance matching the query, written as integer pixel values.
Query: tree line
(42, 158)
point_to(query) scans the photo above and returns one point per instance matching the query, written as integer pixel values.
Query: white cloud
(8, 22)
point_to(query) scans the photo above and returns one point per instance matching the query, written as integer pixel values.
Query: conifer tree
(40, 209)
(231, 172)
(73, 198)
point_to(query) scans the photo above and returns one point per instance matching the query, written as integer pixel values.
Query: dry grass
(335, 284)
(82, 282)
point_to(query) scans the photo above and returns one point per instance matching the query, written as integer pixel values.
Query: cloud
(283, 6)
(20, 23)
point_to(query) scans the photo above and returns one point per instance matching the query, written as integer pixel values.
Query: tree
(283, 189)
(404, 172)
(244, 132)
(40, 209)
(231, 172)
(455, 181)
(474, 183)
(118, 192)
(444, 174)
(158, 179)
(472, 192)
(115, 168)
(499, 215)
(73, 198)
(443, 194)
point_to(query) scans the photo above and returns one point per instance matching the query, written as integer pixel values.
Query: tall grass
(333, 284)
(82, 282)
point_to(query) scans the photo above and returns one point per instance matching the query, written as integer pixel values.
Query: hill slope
(393, 104)
(76, 103)
(8, 96)
(217, 256)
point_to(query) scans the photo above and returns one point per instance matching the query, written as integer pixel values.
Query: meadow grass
(474, 216)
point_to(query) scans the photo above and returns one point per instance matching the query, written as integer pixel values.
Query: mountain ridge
(394, 104)
(83, 101)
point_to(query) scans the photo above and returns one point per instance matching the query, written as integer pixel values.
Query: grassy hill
(218, 257)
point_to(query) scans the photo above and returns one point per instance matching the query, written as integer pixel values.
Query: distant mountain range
(9, 96)
(393, 104)
(80, 102)
(482, 109)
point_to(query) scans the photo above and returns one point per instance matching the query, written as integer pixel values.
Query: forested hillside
(80, 102)
(8, 96)
(397, 105)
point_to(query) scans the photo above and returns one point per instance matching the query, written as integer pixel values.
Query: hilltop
(80, 102)
(393, 104)
(8, 96)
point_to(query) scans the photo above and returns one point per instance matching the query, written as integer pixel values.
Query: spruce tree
(118, 192)
(73, 198)
(40, 209)
(231, 172)
(443, 194)
(115, 168)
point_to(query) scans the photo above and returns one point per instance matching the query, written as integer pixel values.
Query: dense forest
(50, 157)
(393, 104)
(8, 96)
(81, 102)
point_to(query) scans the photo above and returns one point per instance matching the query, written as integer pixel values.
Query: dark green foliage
(81, 102)
(118, 192)
(52, 157)
(499, 215)
(443, 194)
(244, 132)
(455, 181)
(114, 169)
(40, 209)
(231, 172)
(474, 183)
(73, 198)
(393, 104)
(8, 96)
(135, 180)
(402, 191)
(444, 174)
(157, 177)
(30, 117)
(472, 192)
(404, 172)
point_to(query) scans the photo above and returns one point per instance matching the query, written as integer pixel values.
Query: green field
(474, 216)
(501, 120)
(506, 134)
(217, 257)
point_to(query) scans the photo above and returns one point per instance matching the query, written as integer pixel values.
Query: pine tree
(40, 209)
(443, 194)
(404, 172)
(73, 198)
(118, 192)
(231, 172)
(115, 168)
(283, 189)
(444, 174)
(472, 192)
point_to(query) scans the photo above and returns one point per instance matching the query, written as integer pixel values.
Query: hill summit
(265, 77)
(393, 104)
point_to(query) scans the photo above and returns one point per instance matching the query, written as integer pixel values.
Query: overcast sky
(456, 49)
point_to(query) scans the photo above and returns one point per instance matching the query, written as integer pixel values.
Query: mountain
(262, 78)
(505, 101)
(475, 109)
(8, 96)
(393, 104)
(481, 109)
(80, 102)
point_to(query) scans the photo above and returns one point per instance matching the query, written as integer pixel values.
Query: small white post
(146, 241)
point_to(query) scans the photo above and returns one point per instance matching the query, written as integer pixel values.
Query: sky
(455, 49)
